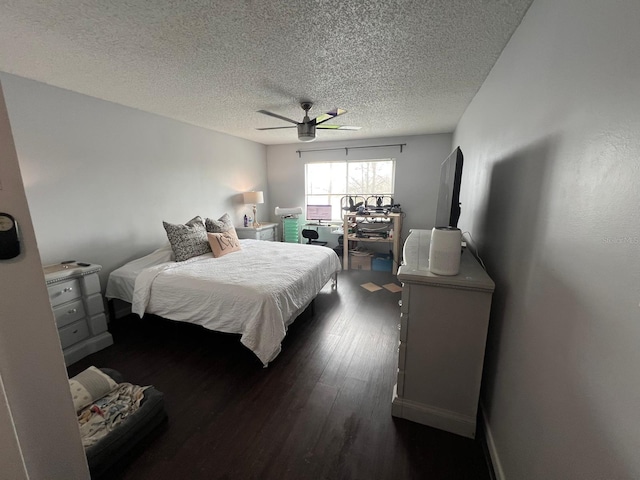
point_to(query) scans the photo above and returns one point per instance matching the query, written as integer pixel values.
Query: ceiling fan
(307, 128)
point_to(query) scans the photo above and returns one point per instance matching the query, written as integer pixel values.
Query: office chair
(312, 237)
(340, 248)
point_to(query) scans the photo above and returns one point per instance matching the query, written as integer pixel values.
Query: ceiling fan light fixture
(307, 128)
(306, 132)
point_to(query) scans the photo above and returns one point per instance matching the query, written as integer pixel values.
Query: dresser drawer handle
(68, 289)
(399, 327)
(399, 303)
(75, 331)
(72, 311)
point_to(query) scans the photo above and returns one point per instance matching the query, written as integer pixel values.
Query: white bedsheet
(122, 281)
(256, 292)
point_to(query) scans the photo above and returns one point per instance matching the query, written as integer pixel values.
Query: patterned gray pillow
(188, 240)
(221, 225)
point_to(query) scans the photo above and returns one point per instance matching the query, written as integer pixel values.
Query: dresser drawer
(68, 313)
(400, 383)
(404, 302)
(73, 333)
(64, 291)
(404, 326)
(402, 355)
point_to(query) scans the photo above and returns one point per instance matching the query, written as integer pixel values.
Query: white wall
(553, 140)
(417, 172)
(39, 436)
(100, 178)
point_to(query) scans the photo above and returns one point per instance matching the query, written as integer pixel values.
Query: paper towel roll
(444, 251)
(288, 211)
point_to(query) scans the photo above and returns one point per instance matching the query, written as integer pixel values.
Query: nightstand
(78, 308)
(266, 231)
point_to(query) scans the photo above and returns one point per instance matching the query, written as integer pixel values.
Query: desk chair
(312, 237)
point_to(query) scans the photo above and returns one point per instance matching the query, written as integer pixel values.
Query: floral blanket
(100, 418)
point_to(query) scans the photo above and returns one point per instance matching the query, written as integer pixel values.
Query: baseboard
(491, 452)
(87, 347)
(433, 417)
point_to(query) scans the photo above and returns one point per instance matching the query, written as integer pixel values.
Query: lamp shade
(253, 198)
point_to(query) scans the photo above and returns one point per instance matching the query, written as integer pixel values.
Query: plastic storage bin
(290, 230)
(382, 263)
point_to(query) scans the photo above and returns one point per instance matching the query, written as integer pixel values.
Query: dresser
(78, 308)
(443, 330)
(266, 231)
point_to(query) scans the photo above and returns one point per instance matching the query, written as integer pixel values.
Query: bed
(256, 292)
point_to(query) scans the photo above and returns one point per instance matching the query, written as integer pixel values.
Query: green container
(290, 230)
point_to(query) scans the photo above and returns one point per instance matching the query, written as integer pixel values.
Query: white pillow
(89, 386)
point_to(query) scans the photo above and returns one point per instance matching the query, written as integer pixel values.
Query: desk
(325, 230)
(323, 225)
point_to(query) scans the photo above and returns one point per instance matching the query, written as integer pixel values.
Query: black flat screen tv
(448, 211)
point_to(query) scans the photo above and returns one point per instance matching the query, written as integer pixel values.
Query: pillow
(188, 240)
(221, 225)
(223, 243)
(89, 386)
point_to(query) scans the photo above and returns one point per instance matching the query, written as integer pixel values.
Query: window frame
(340, 195)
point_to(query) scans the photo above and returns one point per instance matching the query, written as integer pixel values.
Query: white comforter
(256, 292)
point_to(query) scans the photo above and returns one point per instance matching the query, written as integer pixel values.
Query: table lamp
(253, 198)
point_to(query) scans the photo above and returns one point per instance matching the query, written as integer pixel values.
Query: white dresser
(443, 330)
(266, 231)
(78, 308)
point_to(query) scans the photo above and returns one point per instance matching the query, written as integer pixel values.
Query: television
(448, 210)
(319, 213)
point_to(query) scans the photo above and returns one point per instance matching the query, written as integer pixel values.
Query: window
(328, 182)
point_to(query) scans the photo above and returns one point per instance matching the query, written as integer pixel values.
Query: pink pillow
(223, 243)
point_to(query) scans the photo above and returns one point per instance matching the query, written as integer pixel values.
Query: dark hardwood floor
(321, 410)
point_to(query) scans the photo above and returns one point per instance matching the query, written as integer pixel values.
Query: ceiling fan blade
(337, 127)
(329, 115)
(277, 116)
(274, 128)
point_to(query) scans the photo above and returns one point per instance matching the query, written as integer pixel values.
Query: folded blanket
(105, 414)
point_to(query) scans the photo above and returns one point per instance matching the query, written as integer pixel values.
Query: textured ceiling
(400, 67)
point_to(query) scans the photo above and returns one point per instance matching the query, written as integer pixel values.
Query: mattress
(255, 292)
(122, 281)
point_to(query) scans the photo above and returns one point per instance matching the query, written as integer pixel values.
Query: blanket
(256, 292)
(100, 418)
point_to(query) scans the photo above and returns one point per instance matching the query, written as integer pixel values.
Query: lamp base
(256, 224)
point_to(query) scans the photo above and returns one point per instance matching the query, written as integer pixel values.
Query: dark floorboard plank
(321, 410)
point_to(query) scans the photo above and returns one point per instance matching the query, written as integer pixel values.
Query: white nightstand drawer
(265, 232)
(73, 333)
(64, 292)
(94, 304)
(68, 313)
(267, 235)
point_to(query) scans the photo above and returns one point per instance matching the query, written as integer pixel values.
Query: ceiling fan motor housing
(307, 131)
